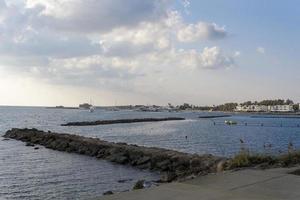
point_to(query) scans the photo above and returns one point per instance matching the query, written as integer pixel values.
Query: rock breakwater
(121, 121)
(173, 165)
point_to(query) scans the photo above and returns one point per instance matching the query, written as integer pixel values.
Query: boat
(230, 122)
(92, 108)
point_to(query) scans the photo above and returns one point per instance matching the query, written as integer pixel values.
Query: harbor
(149, 99)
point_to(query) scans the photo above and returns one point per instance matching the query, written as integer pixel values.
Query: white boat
(230, 122)
(92, 109)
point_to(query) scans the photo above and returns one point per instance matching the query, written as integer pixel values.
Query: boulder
(143, 160)
(29, 144)
(108, 192)
(168, 177)
(124, 180)
(139, 185)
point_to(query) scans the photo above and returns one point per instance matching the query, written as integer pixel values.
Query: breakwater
(213, 116)
(173, 165)
(121, 121)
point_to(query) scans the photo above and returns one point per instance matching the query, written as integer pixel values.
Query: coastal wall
(173, 165)
(121, 121)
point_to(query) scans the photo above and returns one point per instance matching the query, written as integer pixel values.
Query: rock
(124, 180)
(143, 160)
(139, 185)
(119, 159)
(29, 144)
(144, 166)
(5, 139)
(168, 177)
(164, 165)
(148, 184)
(36, 148)
(121, 121)
(108, 192)
(195, 162)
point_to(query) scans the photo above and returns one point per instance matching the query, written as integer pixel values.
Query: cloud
(95, 15)
(194, 31)
(186, 5)
(201, 31)
(209, 58)
(237, 54)
(42, 43)
(103, 43)
(261, 50)
(2, 5)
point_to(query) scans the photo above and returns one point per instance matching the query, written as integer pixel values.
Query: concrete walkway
(244, 184)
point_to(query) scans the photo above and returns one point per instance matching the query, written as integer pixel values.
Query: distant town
(266, 106)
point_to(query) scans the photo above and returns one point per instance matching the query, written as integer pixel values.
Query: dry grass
(245, 159)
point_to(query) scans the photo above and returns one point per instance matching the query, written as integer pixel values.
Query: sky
(119, 52)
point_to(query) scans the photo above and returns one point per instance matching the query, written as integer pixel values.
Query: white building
(262, 108)
(252, 108)
(281, 108)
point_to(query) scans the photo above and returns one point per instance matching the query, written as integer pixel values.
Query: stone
(29, 144)
(108, 192)
(168, 177)
(143, 160)
(121, 121)
(139, 185)
(124, 180)
(164, 165)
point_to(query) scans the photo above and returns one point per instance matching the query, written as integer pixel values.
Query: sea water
(26, 173)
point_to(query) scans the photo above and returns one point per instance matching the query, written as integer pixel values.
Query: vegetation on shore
(247, 159)
(244, 159)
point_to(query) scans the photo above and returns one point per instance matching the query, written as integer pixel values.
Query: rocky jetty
(213, 116)
(121, 121)
(173, 165)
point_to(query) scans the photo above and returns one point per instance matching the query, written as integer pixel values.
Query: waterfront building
(264, 108)
(281, 108)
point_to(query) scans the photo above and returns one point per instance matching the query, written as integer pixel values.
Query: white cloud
(194, 31)
(186, 5)
(98, 45)
(261, 50)
(201, 31)
(237, 54)
(95, 15)
(208, 58)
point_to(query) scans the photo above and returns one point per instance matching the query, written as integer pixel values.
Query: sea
(27, 173)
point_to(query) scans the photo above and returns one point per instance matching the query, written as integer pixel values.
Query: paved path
(245, 184)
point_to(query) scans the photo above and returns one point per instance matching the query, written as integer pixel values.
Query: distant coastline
(61, 107)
